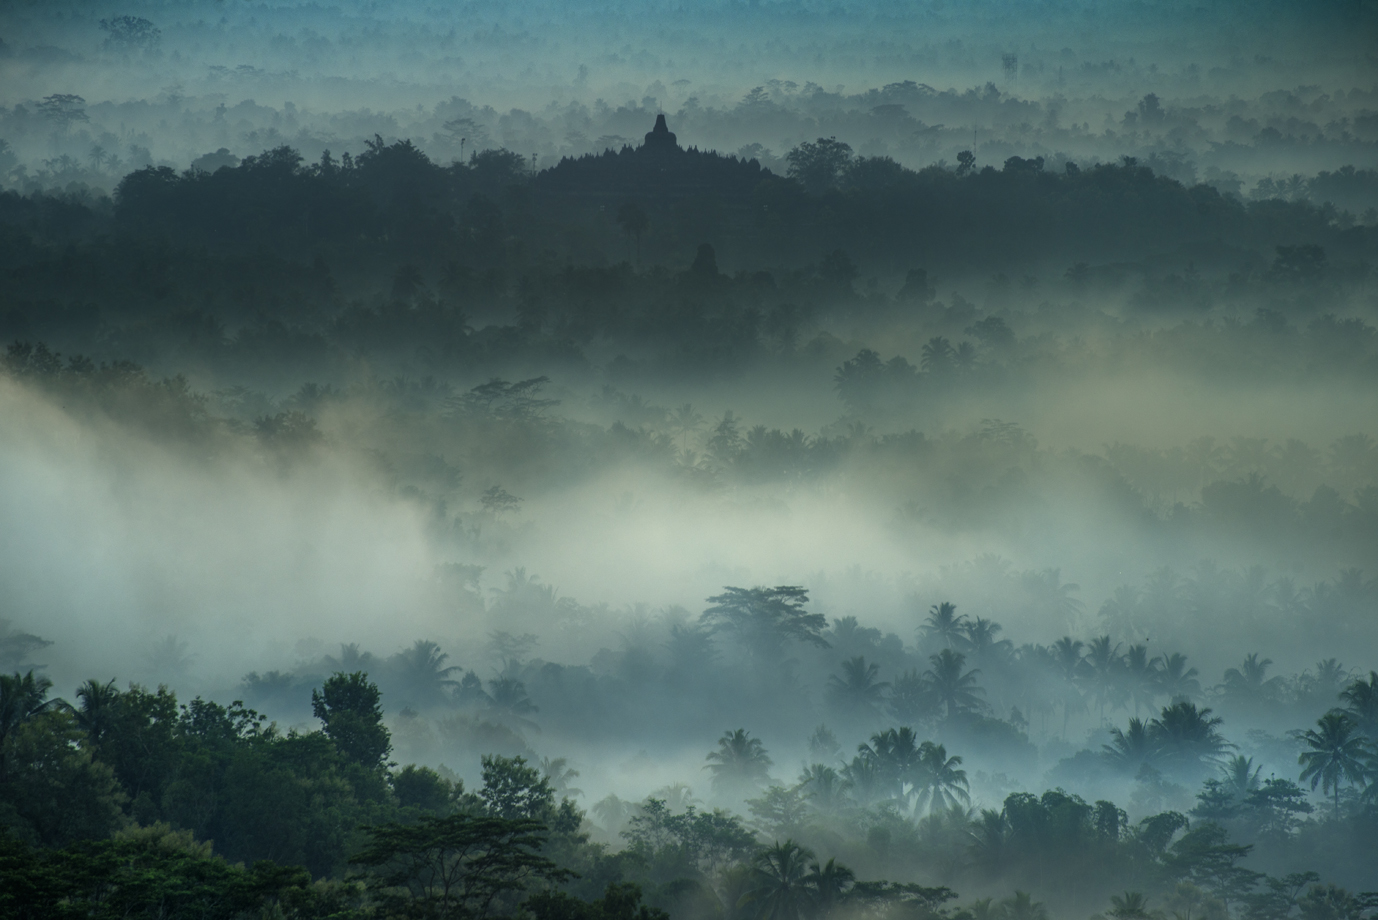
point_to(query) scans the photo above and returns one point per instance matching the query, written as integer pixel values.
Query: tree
(1361, 705)
(1249, 682)
(939, 783)
(764, 619)
(1186, 736)
(819, 165)
(1132, 905)
(619, 902)
(856, 690)
(65, 109)
(459, 866)
(781, 887)
(511, 789)
(351, 714)
(129, 32)
(96, 713)
(422, 674)
(22, 697)
(943, 625)
(1177, 681)
(830, 884)
(966, 162)
(1336, 753)
(739, 763)
(949, 686)
(1131, 748)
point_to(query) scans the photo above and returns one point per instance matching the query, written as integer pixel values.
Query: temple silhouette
(659, 169)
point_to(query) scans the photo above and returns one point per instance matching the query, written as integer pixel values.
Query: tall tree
(764, 619)
(740, 762)
(1336, 752)
(351, 713)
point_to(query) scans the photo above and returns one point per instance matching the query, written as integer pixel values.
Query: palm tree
(1361, 704)
(22, 697)
(1187, 736)
(508, 702)
(910, 700)
(1249, 682)
(559, 774)
(1142, 675)
(1177, 681)
(824, 787)
(830, 884)
(1239, 776)
(857, 690)
(978, 639)
(943, 624)
(862, 777)
(1104, 667)
(1023, 907)
(1132, 905)
(940, 783)
(780, 883)
(949, 686)
(1132, 748)
(1337, 752)
(895, 756)
(991, 837)
(97, 709)
(1069, 664)
(684, 420)
(739, 763)
(422, 672)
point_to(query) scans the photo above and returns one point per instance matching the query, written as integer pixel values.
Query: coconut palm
(856, 690)
(781, 887)
(830, 884)
(824, 788)
(1239, 776)
(1141, 676)
(895, 756)
(1361, 704)
(940, 784)
(1337, 752)
(1177, 681)
(96, 711)
(421, 673)
(22, 697)
(910, 700)
(739, 763)
(949, 686)
(684, 420)
(1187, 736)
(508, 702)
(1250, 681)
(978, 640)
(1132, 905)
(943, 625)
(559, 774)
(863, 778)
(1068, 663)
(1132, 748)
(1022, 906)
(1105, 667)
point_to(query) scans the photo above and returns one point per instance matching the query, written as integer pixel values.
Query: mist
(767, 461)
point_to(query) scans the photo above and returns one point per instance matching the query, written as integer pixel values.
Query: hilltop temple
(660, 138)
(660, 169)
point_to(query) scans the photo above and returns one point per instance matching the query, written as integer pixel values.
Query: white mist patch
(110, 543)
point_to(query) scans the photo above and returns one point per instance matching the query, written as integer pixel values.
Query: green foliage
(457, 866)
(351, 715)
